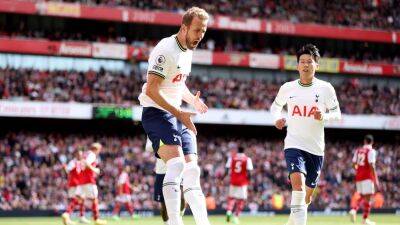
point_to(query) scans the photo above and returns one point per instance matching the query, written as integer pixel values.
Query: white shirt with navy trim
(172, 62)
(303, 131)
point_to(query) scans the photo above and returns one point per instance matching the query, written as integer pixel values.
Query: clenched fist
(280, 123)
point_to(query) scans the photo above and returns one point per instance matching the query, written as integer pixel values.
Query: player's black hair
(369, 139)
(309, 49)
(240, 149)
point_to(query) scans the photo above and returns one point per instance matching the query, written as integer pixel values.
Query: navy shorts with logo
(304, 162)
(163, 128)
(158, 183)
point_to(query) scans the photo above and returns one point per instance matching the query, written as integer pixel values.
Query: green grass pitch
(382, 219)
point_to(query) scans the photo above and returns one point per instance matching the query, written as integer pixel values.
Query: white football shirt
(303, 131)
(172, 62)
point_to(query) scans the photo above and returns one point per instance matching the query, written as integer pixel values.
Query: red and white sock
(72, 205)
(82, 209)
(239, 207)
(95, 210)
(230, 204)
(367, 209)
(129, 207)
(116, 208)
(358, 203)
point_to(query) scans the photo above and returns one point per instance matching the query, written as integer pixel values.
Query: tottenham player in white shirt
(170, 129)
(310, 103)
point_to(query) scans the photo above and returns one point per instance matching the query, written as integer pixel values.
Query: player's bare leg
(192, 190)
(172, 155)
(298, 212)
(367, 209)
(309, 194)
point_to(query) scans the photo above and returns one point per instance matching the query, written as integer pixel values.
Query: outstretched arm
(194, 100)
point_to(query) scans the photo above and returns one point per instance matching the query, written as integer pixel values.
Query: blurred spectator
(354, 96)
(362, 51)
(370, 14)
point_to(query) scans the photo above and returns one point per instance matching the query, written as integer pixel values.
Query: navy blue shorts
(301, 161)
(158, 183)
(163, 128)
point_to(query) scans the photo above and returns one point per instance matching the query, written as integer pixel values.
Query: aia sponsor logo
(305, 111)
(179, 78)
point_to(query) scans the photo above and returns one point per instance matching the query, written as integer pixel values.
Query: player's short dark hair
(309, 49)
(369, 139)
(240, 149)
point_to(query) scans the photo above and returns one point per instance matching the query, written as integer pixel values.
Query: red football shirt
(363, 157)
(239, 164)
(74, 169)
(123, 180)
(87, 175)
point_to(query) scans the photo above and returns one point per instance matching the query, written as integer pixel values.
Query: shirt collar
(179, 44)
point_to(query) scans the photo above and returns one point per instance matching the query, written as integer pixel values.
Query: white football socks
(172, 191)
(298, 212)
(290, 221)
(193, 194)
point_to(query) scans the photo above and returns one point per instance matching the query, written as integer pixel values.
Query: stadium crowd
(355, 96)
(368, 14)
(31, 174)
(215, 42)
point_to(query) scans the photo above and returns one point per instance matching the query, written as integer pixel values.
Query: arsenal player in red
(88, 180)
(239, 167)
(366, 178)
(73, 169)
(124, 193)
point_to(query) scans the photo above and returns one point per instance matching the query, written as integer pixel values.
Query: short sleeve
(355, 156)
(372, 156)
(249, 164)
(91, 158)
(331, 101)
(71, 165)
(159, 61)
(281, 97)
(228, 163)
(122, 178)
